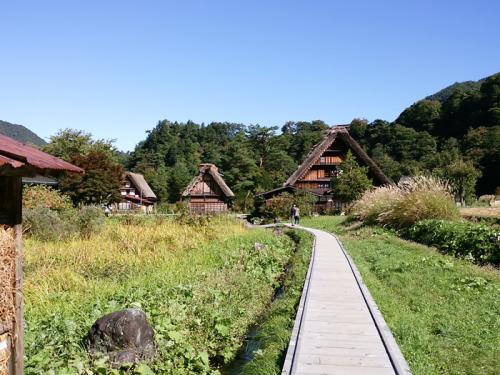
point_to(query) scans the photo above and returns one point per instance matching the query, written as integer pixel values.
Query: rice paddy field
(444, 312)
(202, 284)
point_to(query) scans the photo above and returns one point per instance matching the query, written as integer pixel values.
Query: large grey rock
(125, 336)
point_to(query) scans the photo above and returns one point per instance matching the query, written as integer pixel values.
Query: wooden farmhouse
(17, 160)
(322, 163)
(207, 192)
(136, 194)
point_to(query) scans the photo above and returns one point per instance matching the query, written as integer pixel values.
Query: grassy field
(202, 285)
(444, 312)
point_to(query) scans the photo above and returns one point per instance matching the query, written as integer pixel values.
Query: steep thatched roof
(342, 133)
(141, 184)
(212, 170)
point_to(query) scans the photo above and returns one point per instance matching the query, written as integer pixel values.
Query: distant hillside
(445, 93)
(20, 133)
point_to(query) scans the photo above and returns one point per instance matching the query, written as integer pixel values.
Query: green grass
(202, 286)
(444, 312)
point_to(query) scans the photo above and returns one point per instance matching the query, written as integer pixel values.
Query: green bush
(90, 220)
(45, 196)
(48, 225)
(479, 242)
(279, 206)
(51, 225)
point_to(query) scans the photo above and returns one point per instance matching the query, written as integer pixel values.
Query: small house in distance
(207, 192)
(322, 163)
(136, 194)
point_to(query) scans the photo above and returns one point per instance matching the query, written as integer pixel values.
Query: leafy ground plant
(202, 286)
(443, 311)
(478, 242)
(273, 334)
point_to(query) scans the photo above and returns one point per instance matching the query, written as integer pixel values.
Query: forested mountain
(444, 94)
(458, 138)
(20, 133)
(434, 137)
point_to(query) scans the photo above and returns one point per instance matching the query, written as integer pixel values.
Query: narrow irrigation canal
(266, 342)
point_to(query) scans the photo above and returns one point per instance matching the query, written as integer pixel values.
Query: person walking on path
(297, 216)
(293, 211)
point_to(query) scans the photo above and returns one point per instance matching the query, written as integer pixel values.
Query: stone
(258, 246)
(124, 336)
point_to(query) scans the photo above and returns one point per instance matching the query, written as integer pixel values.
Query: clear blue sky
(114, 68)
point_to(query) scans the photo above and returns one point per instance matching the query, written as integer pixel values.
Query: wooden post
(11, 214)
(19, 325)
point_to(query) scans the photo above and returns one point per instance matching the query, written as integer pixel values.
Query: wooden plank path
(338, 328)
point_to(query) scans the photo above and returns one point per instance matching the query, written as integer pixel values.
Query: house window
(330, 172)
(324, 185)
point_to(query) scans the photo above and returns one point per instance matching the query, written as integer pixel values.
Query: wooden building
(17, 160)
(322, 163)
(136, 194)
(207, 192)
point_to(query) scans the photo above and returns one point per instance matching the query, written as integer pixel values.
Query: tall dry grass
(400, 206)
(114, 253)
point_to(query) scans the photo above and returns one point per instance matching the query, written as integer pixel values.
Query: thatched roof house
(136, 193)
(321, 164)
(207, 192)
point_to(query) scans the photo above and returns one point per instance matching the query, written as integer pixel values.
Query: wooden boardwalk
(338, 329)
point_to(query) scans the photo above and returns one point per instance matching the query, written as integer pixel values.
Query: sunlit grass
(444, 312)
(201, 287)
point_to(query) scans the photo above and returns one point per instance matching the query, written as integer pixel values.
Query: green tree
(240, 170)
(69, 143)
(100, 183)
(462, 177)
(421, 116)
(100, 160)
(260, 140)
(178, 180)
(351, 180)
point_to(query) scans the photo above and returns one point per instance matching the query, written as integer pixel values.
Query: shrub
(48, 225)
(279, 206)
(44, 196)
(90, 219)
(401, 206)
(479, 242)
(51, 225)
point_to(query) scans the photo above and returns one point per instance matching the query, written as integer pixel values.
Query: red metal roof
(15, 155)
